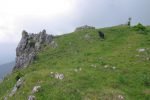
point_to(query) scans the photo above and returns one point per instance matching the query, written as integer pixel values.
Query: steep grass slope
(109, 68)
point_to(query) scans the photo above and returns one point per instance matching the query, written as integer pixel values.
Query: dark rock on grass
(101, 34)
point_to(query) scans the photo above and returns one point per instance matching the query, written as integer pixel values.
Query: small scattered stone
(106, 66)
(148, 58)
(59, 76)
(80, 69)
(93, 65)
(36, 89)
(76, 70)
(141, 50)
(120, 97)
(53, 44)
(52, 72)
(31, 97)
(5, 98)
(19, 83)
(13, 92)
(114, 67)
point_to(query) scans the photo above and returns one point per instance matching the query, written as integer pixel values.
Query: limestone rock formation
(84, 27)
(16, 87)
(29, 45)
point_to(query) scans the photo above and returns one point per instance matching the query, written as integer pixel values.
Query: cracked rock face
(28, 47)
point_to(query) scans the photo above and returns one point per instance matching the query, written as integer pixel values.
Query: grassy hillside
(108, 68)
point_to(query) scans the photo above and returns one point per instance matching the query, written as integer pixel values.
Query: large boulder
(28, 47)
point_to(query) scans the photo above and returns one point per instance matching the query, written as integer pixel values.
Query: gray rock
(148, 58)
(13, 92)
(36, 89)
(78, 70)
(29, 45)
(5, 98)
(59, 76)
(93, 65)
(37, 46)
(141, 50)
(31, 97)
(120, 97)
(106, 66)
(18, 84)
(53, 44)
(113, 67)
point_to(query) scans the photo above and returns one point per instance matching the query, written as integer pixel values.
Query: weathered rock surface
(29, 45)
(16, 87)
(31, 97)
(57, 75)
(84, 27)
(36, 89)
(141, 50)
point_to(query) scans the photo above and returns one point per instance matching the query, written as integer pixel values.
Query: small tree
(129, 21)
(18, 76)
(140, 28)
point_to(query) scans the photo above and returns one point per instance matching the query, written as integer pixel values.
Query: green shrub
(18, 76)
(140, 28)
(146, 79)
(129, 21)
(121, 79)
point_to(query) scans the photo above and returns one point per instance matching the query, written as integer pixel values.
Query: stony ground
(84, 67)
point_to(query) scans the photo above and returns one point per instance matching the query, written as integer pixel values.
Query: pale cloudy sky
(62, 16)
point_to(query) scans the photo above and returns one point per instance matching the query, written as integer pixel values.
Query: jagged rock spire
(29, 45)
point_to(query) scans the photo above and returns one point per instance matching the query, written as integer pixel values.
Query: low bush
(18, 76)
(140, 28)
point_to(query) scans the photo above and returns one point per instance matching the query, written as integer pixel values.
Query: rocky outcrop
(84, 27)
(16, 87)
(29, 45)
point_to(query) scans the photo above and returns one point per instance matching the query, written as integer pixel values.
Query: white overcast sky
(62, 16)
